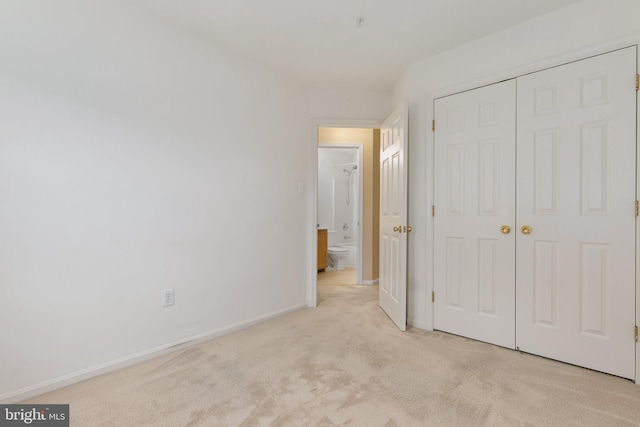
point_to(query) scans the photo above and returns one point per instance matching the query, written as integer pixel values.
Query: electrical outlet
(166, 297)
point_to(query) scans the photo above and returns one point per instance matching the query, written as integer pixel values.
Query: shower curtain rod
(346, 164)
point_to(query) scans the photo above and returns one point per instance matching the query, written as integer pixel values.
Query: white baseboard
(123, 362)
(371, 282)
(417, 324)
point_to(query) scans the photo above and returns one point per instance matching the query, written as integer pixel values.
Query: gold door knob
(526, 229)
(505, 229)
(397, 229)
(407, 229)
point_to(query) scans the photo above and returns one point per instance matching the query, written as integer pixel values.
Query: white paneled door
(535, 233)
(393, 217)
(576, 214)
(474, 197)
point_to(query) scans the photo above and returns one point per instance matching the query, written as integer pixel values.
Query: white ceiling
(318, 44)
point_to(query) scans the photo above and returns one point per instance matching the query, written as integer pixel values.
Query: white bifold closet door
(474, 199)
(534, 229)
(576, 191)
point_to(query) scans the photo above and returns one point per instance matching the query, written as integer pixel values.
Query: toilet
(337, 256)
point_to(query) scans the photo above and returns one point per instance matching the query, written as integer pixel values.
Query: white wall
(576, 30)
(344, 105)
(135, 157)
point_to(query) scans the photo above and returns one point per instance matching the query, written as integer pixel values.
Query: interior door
(576, 221)
(393, 216)
(474, 198)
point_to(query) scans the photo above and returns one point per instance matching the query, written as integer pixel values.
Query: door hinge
(433, 125)
(637, 208)
(637, 81)
(635, 333)
(433, 210)
(433, 299)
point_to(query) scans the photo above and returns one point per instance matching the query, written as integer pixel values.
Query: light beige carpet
(348, 276)
(345, 363)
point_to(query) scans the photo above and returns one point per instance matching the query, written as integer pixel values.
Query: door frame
(312, 195)
(550, 62)
(360, 147)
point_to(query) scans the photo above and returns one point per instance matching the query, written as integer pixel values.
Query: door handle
(407, 229)
(505, 229)
(397, 229)
(526, 229)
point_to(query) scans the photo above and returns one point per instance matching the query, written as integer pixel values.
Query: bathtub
(352, 257)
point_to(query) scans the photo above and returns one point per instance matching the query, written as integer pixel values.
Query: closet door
(575, 213)
(475, 214)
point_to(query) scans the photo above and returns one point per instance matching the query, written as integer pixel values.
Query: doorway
(347, 202)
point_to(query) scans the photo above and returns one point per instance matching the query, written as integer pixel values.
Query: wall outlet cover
(166, 297)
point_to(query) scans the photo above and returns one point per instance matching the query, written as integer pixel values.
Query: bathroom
(339, 203)
(348, 202)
